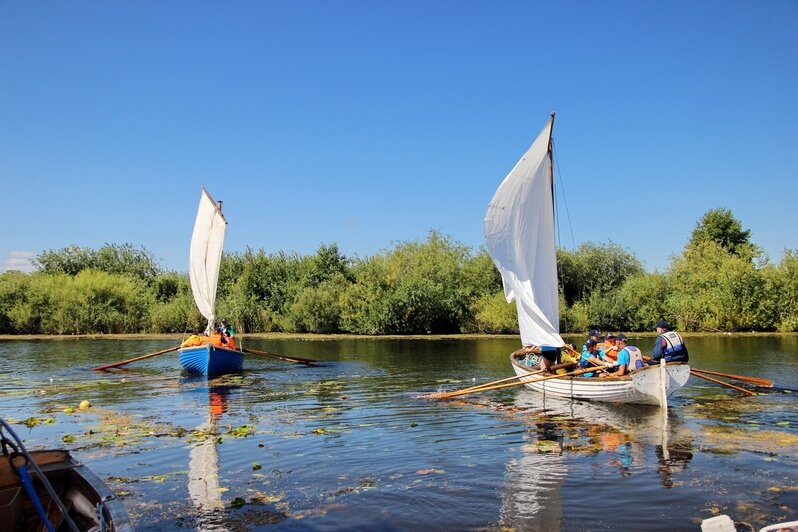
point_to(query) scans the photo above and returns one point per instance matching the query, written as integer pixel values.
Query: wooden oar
(123, 362)
(479, 387)
(305, 361)
(726, 384)
(766, 383)
(499, 386)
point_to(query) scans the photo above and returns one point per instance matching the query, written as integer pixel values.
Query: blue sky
(365, 123)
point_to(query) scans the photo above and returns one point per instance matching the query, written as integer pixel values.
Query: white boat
(644, 386)
(208, 356)
(519, 231)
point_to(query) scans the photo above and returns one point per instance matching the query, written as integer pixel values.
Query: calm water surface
(350, 444)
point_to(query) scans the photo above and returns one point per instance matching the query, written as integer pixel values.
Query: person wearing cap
(630, 358)
(609, 347)
(228, 333)
(668, 345)
(591, 356)
(593, 334)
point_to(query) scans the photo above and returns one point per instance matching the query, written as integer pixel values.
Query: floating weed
(68, 438)
(122, 480)
(156, 478)
(238, 502)
(256, 466)
(263, 498)
(242, 431)
(32, 422)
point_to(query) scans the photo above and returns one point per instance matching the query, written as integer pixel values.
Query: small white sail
(206, 255)
(519, 232)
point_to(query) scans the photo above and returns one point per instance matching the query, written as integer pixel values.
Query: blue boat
(205, 257)
(211, 359)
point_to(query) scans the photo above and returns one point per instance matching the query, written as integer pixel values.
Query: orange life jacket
(610, 350)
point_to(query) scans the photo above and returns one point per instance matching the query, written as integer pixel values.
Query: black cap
(594, 332)
(621, 338)
(662, 324)
(590, 343)
(224, 321)
(609, 336)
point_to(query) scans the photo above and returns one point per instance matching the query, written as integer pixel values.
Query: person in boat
(548, 355)
(228, 333)
(668, 345)
(593, 334)
(609, 347)
(591, 356)
(630, 358)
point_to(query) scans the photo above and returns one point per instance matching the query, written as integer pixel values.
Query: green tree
(714, 289)
(493, 315)
(781, 292)
(14, 286)
(594, 268)
(720, 226)
(417, 287)
(122, 259)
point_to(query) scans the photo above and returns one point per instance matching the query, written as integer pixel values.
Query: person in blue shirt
(592, 335)
(668, 345)
(591, 356)
(629, 357)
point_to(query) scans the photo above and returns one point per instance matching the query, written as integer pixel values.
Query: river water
(351, 445)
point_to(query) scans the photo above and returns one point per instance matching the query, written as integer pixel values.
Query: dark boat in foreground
(88, 502)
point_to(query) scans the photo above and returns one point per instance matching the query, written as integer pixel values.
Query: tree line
(720, 282)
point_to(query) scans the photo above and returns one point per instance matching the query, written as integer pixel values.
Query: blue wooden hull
(211, 360)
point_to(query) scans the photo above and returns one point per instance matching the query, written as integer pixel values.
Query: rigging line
(560, 282)
(564, 199)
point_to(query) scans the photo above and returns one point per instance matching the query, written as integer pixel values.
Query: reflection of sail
(532, 497)
(203, 466)
(203, 475)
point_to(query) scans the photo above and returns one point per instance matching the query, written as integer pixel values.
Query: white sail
(206, 255)
(519, 232)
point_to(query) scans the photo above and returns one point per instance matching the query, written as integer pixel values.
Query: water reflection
(561, 431)
(203, 466)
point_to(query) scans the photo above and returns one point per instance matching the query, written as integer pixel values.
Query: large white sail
(519, 232)
(206, 255)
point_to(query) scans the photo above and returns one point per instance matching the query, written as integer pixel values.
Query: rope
(19, 448)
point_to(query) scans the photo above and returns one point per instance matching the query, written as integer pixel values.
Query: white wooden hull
(644, 386)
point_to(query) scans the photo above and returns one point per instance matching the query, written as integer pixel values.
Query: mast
(551, 167)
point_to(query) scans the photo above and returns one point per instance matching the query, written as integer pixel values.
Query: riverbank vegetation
(721, 281)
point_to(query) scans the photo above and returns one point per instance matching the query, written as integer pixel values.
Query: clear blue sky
(369, 122)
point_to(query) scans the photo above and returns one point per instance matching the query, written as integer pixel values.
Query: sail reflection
(203, 474)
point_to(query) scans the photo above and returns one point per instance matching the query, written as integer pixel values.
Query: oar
(541, 379)
(726, 384)
(744, 378)
(753, 380)
(306, 361)
(123, 362)
(479, 387)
